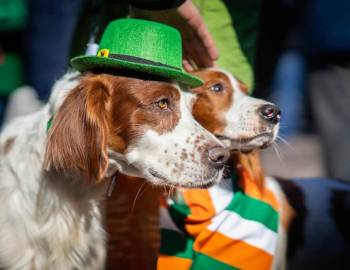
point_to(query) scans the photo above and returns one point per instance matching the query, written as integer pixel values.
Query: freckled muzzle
(217, 156)
(187, 156)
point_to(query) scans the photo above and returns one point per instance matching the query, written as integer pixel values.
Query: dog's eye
(218, 87)
(163, 104)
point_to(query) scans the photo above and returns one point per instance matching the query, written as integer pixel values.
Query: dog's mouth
(242, 142)
(158, 176)
(163, 180)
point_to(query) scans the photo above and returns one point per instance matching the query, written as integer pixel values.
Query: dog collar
(49, 124)
(112, 185)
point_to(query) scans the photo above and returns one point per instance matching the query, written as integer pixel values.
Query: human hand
(199, 49)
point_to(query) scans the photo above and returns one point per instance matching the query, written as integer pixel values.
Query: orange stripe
(202, 210)
(173, 263)
(163, 202)
(251, 189)
(232, 252)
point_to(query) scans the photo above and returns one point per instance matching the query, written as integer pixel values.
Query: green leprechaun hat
(142, 46)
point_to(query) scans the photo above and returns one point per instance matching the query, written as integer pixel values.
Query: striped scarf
(232, 225)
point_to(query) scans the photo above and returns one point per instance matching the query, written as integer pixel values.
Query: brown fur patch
(209, 106)
(252, 164)
(133, 224)
(208, 109)
(105, 110)
(288, 213)
(8, 144)
(134, 238)
(243, 87)
(77, 139)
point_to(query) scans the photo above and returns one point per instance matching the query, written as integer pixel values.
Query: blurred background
(302, 64)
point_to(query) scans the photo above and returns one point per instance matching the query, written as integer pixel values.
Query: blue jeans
(289, 93)
(51, 26)
(3, 101)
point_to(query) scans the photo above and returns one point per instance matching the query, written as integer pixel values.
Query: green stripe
(204, 262)
(49, 124)
(174, 243)
(253, 209)
(178, 212)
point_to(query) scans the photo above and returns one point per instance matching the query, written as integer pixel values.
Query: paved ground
(301, 158)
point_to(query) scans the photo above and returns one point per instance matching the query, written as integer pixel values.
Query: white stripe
(275, 188)
(254, 233)
(221, 194)
(166, 221)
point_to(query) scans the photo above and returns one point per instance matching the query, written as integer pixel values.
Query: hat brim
(85, 63)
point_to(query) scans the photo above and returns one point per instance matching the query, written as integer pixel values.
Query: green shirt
(233, 25)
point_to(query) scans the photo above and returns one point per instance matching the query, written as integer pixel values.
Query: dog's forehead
(148, 90)
(213, 75)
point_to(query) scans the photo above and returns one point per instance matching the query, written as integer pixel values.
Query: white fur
(54, 222)
(244, 122)
(178, 155)
(45, 223)
(280, 258)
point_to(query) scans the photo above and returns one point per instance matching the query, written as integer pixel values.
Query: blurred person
(326, 28)
(232, 24)
(50, 30)
(13, 15)
(289, 93)
(216, 30)
(182, 14)
(281, 76)
(46, 46)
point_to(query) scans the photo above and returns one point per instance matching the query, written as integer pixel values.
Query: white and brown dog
(241, 122)
(313, 212)
(53, 177)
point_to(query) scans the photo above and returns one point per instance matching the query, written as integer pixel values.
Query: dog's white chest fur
(54, 224)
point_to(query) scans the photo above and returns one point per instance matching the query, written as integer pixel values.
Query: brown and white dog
(241, 122)
(53, 177)
(314, 213)
(244, 124)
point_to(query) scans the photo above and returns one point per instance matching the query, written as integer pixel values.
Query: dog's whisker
(277, 151)
(172, 191)
(165, 190)
(240, 145)
(286, 143)
(283, 125)
(138, 195)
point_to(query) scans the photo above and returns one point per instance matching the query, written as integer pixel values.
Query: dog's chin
(249, 143)
(158, 178)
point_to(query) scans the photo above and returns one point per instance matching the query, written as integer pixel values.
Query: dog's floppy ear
(243, 87)
(77, 139)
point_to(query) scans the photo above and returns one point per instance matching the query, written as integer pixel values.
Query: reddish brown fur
(207, 109)
(105, 110)
(8, 144)
(133, 225)
(288, 214)
(209, 106)
(137, 246)
(244, 88)
(251, 163)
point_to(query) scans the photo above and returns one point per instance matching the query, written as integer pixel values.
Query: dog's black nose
(270, 113)
(218, 156)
